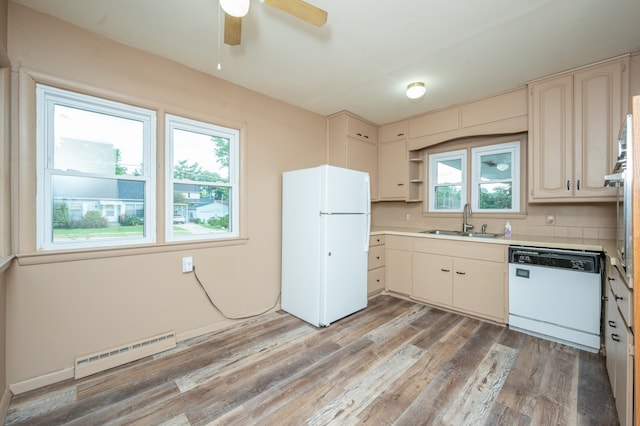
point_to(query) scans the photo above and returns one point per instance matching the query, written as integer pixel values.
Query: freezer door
(344, 284)
(345, 191)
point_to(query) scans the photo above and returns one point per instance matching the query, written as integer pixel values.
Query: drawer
(375, 280)
(376, 257)
(376, 240)
(622, 294)
(466, 249)
(397, 242)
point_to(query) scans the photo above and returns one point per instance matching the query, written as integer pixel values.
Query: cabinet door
(611, 327)
(551, 147)
(398, 271)
(597, 120)
(393, 167)
(375, 280)
(432, 278)
(363, 156)
(479, 287)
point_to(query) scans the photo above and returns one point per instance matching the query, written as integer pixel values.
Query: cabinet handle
(610, 278)
(578, 185)
(568, 186)
(615, 337)
(400, 134)
(366, 137)
(612, 324)
(445, 270)
(461, 273)
(378, 280)
(400, 184)
(618, 297)
(378, 257)
(359, 134)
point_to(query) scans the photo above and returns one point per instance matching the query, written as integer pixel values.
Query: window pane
(449, 171)
(91, 142)
(496, 195)
(495, 166)
(448, 197)
(86, 209)
(200, 157)
(200, 209)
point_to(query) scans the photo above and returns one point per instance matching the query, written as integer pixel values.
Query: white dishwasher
(556, 295)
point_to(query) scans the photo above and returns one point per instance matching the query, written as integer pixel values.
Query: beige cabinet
(398, 264)
(353, 143)
(376, 270)
(619, 343)
(574, 121)
(433, 278)
(467, 276)
(393, 170)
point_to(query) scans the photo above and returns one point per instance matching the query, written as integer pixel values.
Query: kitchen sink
(478, 234)
(443, 232)
(460, 233)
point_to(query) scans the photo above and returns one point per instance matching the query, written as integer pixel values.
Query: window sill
(90, 254)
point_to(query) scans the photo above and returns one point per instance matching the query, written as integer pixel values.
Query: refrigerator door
(345, 191)
(344, 284)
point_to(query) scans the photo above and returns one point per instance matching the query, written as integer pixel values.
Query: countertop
(607, 246)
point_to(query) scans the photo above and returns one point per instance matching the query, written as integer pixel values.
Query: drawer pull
(615, 337)
(612, 324)
(445, 270)
(378, 257)
(618, 297)
(461, 273)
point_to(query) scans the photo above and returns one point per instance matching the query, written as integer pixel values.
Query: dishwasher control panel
(583, 261)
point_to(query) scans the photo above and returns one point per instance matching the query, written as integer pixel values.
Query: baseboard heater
(93, 363)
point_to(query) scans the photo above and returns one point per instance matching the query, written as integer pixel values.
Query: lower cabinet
(619, 343)
(376, 272)
(398, 264)
(465, 276)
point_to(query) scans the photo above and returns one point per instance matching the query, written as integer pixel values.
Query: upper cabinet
(500, 114)
(574, 121)
(393, 161)
(352, 143)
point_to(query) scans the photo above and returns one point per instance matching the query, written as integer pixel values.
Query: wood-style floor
(395, 362)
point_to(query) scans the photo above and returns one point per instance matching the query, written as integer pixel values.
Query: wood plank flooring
(396, 362)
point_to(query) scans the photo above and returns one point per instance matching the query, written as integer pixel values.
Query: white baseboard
(41, 381)
(4, 404)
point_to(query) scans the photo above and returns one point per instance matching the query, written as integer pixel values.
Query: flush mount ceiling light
(237, 8)
(415, 90)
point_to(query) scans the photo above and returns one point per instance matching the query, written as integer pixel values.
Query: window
(95, 160)
(448, 176)
(202, 173)
(496, 173)
(493, 184)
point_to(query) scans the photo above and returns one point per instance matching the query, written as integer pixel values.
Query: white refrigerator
(326, 219)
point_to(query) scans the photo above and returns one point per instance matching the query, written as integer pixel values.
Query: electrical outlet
(551, 219)
(187, 264)
(407, 216)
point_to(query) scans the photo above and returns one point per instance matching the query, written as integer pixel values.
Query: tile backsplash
(560, 220)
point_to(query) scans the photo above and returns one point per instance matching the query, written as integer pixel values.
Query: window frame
(47, 97)
(435, 158)
(176, 122)
(512, 148)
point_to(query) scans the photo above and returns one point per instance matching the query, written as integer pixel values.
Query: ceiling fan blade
(302, 10)
(232, 30)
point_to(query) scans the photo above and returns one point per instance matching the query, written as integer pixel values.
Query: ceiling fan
(234, 10)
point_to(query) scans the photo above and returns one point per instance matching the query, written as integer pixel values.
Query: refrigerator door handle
(366, 234)
(367, 190)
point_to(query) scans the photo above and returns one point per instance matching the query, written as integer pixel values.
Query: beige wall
(74, 305)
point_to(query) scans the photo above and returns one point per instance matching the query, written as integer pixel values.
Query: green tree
(120, 169)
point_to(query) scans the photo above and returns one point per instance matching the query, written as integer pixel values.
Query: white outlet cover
(187, 264)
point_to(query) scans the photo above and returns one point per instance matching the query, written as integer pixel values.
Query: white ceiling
(369, 50)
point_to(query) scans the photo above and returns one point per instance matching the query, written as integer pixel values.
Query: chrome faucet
(466, 226)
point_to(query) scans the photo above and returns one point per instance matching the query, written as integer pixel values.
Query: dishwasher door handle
(523, 273)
